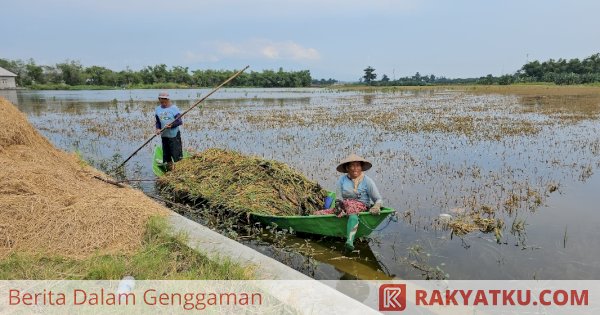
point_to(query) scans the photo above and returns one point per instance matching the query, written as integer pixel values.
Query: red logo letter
(15, 300)
(392, 297)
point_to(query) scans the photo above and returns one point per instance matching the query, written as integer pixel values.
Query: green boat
(158, 167)
(326, 225)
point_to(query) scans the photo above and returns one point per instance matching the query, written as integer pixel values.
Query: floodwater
(524, 164)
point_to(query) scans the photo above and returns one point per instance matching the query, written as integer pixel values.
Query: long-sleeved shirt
(367, 191)
(165, 116)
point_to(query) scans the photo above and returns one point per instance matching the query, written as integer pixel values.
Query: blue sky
(331, 38)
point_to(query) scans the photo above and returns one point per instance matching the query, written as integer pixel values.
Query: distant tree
(575, 66)
(160, 73)
(549, 77)
(96, 75)
(147, 75)
(72, 72)
(181, 75)
(533, 69)
(35, 72)
(487, 80)
(128, 77)
(506, 79)
(417, 77)
(567, 78)
(370, 75)
(304, 77)
(268, 78)
(52, 74)
(562, 71)
(592, 63)
(283, 79)
(6, 64)
(385, 78)
(329, 81)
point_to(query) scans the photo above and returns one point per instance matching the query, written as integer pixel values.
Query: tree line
(561, 71)
(73, 73)
(417, 79)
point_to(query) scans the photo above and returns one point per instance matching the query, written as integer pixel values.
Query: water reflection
(10, 95)
(298, 251)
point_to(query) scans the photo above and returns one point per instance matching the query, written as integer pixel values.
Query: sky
(331, 38)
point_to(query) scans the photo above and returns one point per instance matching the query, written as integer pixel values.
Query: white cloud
(191, 56)
(270, 52)
(228, 49)
(287, 50)
(254, 49)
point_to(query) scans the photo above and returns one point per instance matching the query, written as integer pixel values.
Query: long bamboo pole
(235, 75)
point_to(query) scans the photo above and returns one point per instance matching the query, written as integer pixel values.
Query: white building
(7, 79)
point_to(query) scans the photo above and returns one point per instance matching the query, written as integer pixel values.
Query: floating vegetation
(586, 172)
(243, 184)
(473, 221)
(419, 259)
(518, 230)
(552, 187)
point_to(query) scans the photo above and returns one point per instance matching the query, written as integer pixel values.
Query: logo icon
(392, 297)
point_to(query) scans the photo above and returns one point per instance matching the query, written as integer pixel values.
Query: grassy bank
(162, 256)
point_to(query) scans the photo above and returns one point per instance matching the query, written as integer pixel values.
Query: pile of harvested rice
(229, 180)
(51, 205)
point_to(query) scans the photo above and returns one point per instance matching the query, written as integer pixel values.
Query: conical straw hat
(353, 158)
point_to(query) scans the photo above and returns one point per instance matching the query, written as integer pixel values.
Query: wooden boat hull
(327, 225)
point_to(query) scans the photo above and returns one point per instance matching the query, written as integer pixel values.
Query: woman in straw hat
(357, 192)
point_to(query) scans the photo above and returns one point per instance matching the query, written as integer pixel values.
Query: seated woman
(357, 192)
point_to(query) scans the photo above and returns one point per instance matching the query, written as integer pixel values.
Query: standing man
(167, 115)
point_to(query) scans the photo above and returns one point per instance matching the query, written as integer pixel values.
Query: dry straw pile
(51, 205)
(242, 184)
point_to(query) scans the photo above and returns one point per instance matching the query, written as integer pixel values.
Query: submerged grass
(164, 256)
(521, 89)
(474, 221)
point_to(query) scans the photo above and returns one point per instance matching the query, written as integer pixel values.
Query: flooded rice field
(516, 172)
